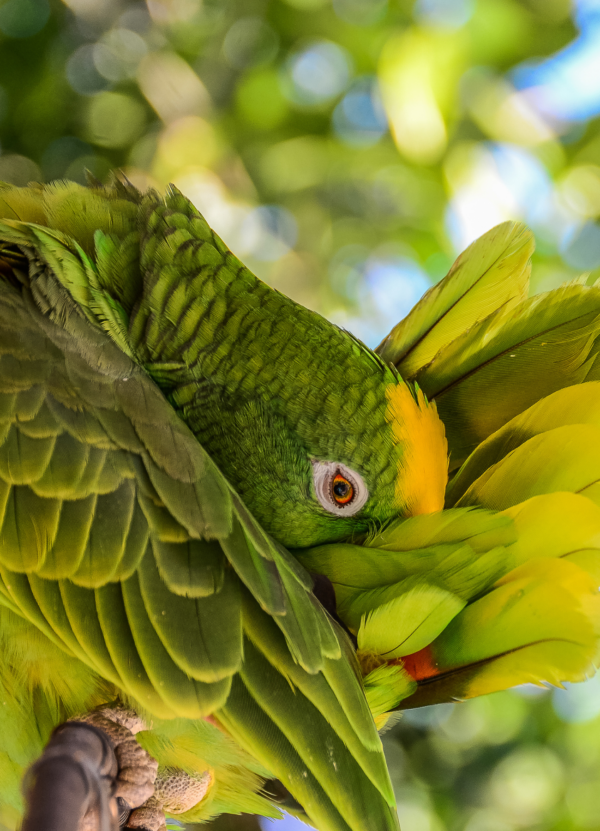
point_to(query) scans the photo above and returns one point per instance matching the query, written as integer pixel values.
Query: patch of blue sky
(317, 73)
(359, 119)
(566, 86)
(288, 823)
(268, 232)
(393, 286)
(385, 287)
(508, 182)
(580, 246)
(527, 178)
(578, 702)
(556, 227)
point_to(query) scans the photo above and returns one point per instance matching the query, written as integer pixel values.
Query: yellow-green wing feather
(492, 273)
(578, 404)
(510, 360)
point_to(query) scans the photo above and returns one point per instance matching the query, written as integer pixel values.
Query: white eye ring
(323, 476)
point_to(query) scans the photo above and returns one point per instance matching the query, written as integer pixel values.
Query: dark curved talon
(277, 791)
(73, 779)
(123, 811)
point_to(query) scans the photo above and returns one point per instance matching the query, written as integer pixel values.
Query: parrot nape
(169, 427)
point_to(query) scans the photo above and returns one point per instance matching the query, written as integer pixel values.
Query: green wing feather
(513, 601)
(121, 540)
(462, 551)
(511, 360)
(492, 273)
(563, 459)
(496, 642)
(341, 778)
(579, 404)
(483, 351)
(408, 622)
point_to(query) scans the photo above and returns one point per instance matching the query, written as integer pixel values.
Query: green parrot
(172, 429)
(169, 427)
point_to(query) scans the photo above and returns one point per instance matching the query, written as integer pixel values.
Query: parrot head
(390, 461)
(318, 464)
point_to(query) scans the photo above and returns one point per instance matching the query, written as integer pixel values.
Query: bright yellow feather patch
(423, 467)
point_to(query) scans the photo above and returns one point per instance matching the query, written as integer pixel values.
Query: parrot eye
(340, 490)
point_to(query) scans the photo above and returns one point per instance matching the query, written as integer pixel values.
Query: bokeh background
(347, 150)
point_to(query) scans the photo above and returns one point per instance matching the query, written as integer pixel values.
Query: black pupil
(341, 489)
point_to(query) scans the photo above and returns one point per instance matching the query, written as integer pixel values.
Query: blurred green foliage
(371, 135)
(346, 150)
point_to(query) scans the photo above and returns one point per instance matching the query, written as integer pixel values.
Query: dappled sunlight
(422, 130)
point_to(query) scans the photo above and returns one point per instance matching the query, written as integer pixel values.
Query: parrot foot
(134, 783)
(95, 776)
(143, 795)
(175, 792)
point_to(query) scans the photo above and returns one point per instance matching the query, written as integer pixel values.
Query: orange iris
(341, 489)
